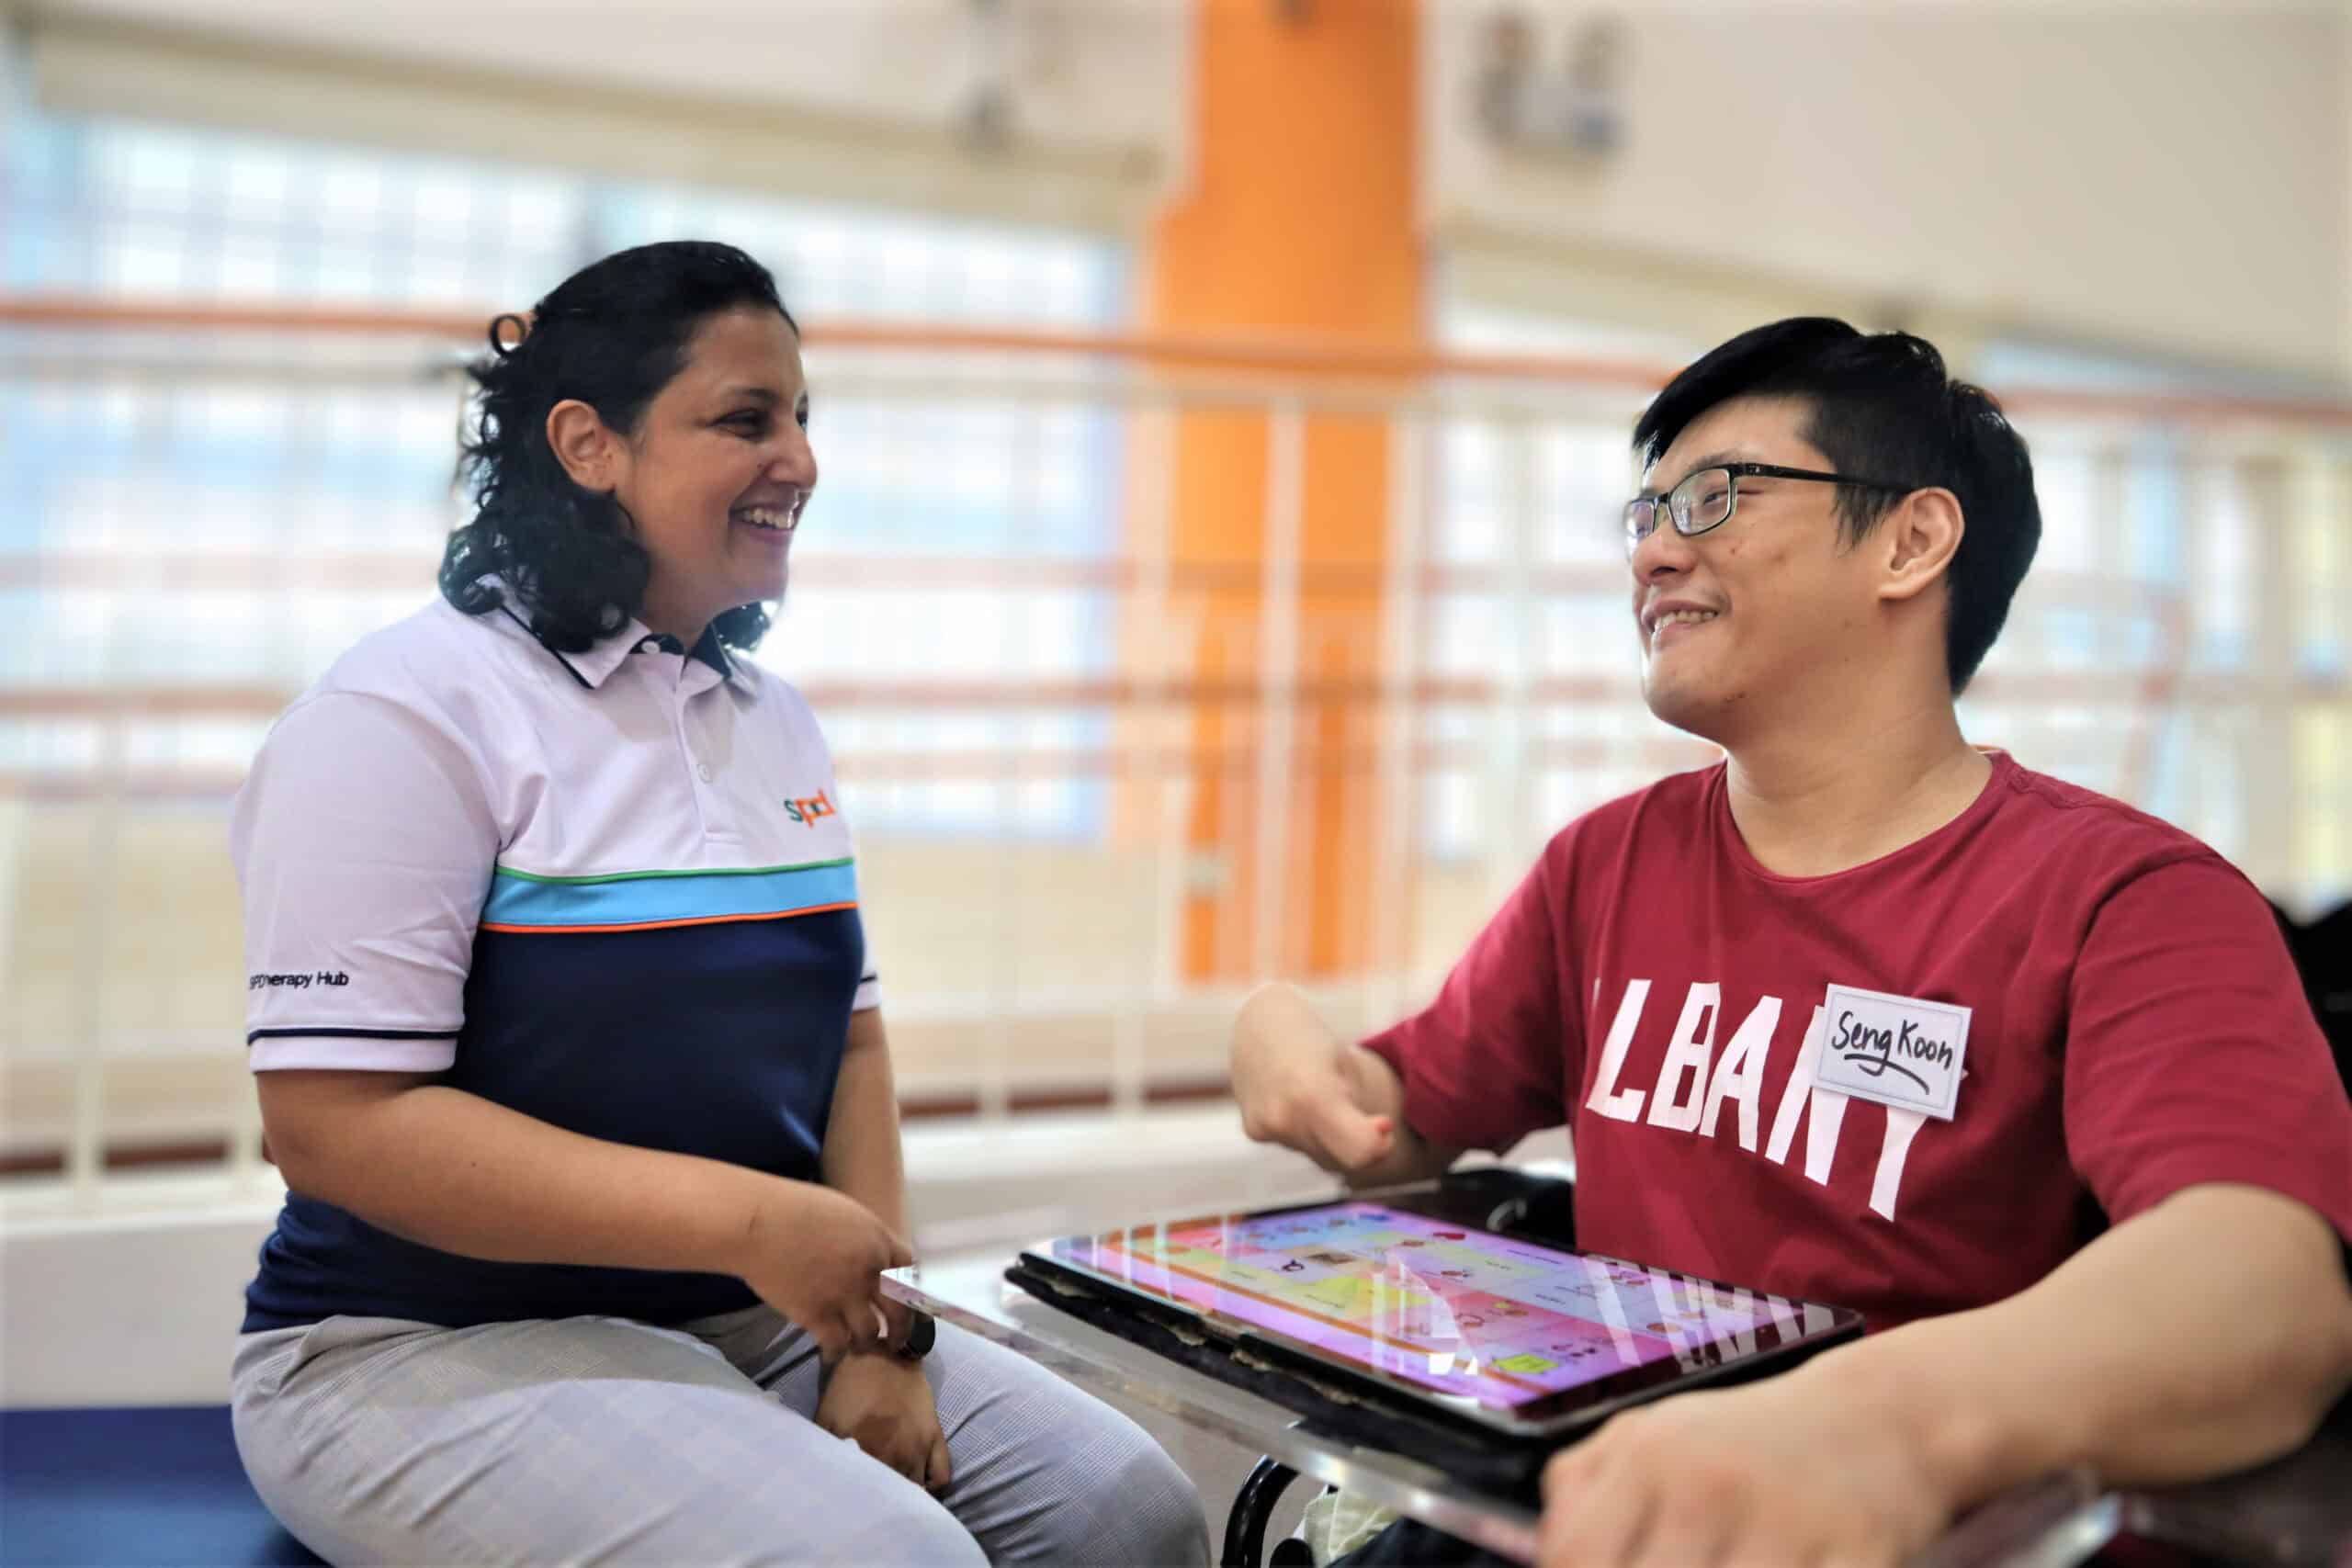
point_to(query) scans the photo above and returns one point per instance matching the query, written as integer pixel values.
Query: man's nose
(1664, 553)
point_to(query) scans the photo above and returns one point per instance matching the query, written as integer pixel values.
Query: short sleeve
(363, 846)
(1488, 1063)
(2192, 1055)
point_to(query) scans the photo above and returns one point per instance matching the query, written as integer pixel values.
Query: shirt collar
(594, 665)
(707, 648)
(713, 652)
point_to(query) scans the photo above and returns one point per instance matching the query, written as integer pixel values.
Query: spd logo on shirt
(1898, 1050)
(808, 811)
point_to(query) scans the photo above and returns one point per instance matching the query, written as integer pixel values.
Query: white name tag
(1898, 1050)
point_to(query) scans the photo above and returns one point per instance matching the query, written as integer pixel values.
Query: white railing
(1036, 702)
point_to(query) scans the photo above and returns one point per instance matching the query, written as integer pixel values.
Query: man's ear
(1918, 539)
(585, 446)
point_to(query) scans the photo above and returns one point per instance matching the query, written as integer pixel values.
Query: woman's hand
(816, 1257)
(884, 1405)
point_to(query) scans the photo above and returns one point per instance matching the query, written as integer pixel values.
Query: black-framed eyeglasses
(1707, 498)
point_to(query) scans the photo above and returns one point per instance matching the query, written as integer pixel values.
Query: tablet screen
(1455, 1312)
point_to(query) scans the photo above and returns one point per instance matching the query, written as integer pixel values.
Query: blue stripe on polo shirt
(522, 900)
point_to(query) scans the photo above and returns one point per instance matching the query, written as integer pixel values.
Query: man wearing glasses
(1866, 1015)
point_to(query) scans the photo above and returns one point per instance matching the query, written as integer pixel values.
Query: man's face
(1783, 611)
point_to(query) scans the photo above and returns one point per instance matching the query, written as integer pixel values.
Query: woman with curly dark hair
(566, 1043)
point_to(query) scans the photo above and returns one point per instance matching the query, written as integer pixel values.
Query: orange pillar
(1298, 222)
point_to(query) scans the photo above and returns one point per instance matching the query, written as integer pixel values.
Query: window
(308, 475)
(1531, 593)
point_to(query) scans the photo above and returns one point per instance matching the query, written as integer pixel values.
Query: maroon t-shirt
(2132, 1026)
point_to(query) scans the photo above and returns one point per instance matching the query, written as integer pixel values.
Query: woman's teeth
(768, 517)
(1683, 618)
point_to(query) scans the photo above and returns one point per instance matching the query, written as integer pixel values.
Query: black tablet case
(1495, 1199)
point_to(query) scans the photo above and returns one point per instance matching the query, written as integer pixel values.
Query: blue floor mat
(154, 1487)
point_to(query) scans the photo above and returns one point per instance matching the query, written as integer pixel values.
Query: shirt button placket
(695, 726)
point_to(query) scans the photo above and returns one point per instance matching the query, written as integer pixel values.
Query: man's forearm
(861, 1156)
(2207, 1334)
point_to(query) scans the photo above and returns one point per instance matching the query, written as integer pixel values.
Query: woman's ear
(586, 447)
(1919, 538)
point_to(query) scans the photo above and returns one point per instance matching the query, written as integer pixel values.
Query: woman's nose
(796, 463)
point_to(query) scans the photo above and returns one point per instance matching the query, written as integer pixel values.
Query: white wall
(2162, 175)
(2166, 177)
(1093, 74)
(817, 97)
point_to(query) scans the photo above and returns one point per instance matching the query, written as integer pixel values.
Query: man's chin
(1684, 710)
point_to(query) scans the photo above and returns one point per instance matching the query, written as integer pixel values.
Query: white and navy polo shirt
(612, 890)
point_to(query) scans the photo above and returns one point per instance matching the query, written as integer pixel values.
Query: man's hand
(1796, 1470)
(884, 1404)
(1865, 1454)
(1300, 1085)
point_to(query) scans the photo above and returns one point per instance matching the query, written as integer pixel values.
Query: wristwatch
(922, 1335)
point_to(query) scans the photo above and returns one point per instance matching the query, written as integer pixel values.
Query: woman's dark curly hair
(612, 334)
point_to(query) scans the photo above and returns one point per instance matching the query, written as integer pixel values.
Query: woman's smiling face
(717, 472)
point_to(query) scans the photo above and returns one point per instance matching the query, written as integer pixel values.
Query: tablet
(1478, 1326)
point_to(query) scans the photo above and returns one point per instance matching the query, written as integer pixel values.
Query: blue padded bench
(130, 1488)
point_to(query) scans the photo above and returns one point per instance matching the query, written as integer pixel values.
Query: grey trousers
(605, 1440)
